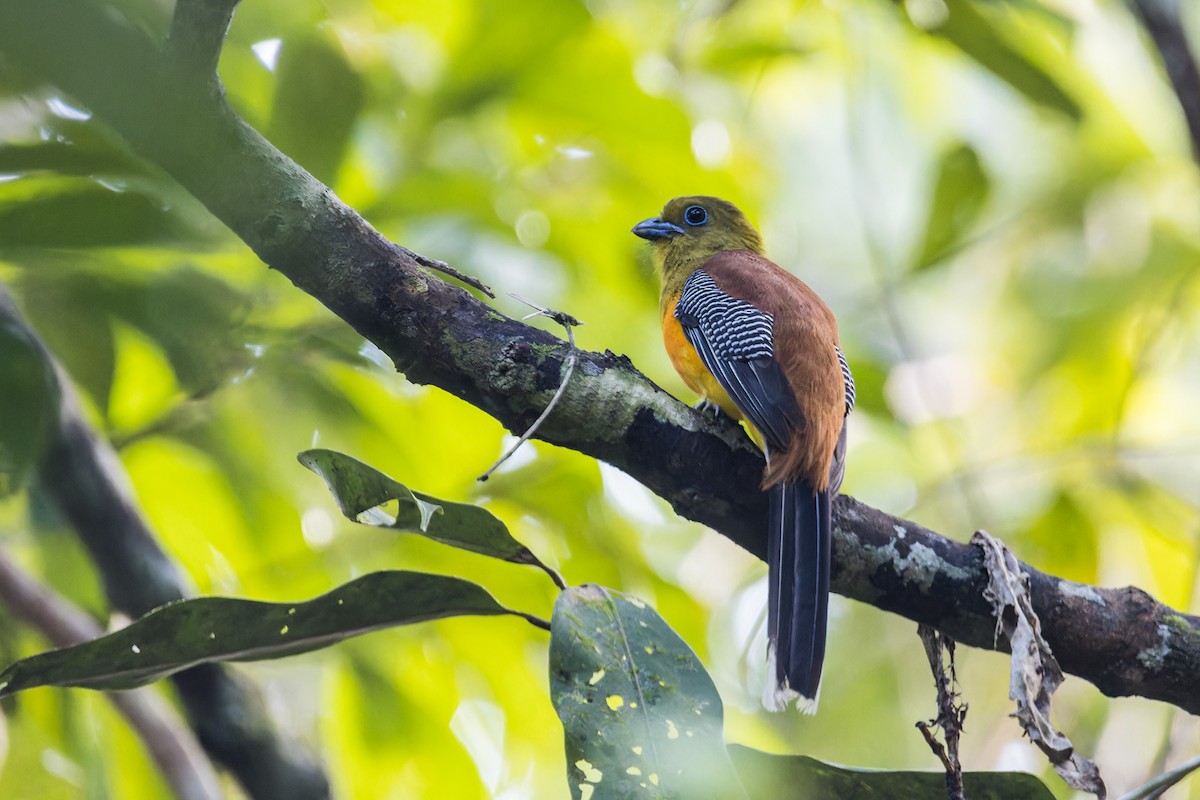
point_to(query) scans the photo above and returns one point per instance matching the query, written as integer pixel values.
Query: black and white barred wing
(735, 341)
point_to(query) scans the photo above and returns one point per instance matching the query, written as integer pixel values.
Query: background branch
(82, 477)
(1122, 640)
(1164, 22)
(172, 747)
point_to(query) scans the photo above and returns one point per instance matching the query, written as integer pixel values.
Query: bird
(756, 342)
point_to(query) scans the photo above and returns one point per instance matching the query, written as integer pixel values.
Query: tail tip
(777, 696)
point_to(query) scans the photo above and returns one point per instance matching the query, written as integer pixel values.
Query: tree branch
(82, 477)
(1122, 640)
(172, 747)
(178, 755)
(198, 30)
(1164, 23)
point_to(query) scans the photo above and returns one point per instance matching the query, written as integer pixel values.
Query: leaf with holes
(209, 629)
(361, 490)
(642, 718)
(763, 774)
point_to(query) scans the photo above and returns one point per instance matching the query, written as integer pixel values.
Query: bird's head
(691, 229)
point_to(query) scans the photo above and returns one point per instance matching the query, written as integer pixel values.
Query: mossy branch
(1122, 640)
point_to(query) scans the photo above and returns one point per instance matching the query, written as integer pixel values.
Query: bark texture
(1122, 640)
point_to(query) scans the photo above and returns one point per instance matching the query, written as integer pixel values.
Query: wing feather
(735, 341)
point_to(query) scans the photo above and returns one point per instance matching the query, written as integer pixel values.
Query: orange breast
(687, 363)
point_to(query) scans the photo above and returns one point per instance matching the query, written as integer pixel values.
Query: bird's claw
(711, 411)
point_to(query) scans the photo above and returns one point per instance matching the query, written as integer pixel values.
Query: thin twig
(536, 621)
(951, 713)
(533, 560)
(177, 753)
(1160, 784)
(443, 267)
(568, 322)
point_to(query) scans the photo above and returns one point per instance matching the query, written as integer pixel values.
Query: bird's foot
(711, 411)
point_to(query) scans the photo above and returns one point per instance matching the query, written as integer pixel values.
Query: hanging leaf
(763, 774)
(959, 193)
(209, 629)
(642, 718)
(360, 490)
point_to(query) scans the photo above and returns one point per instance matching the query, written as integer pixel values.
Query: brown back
(806, 340)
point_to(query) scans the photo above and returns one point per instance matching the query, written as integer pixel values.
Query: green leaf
(62, 158)
(210, 629)
(52, 291)
(969, 29)
(56, 213)
(960, 191)
(360, 490)
(806, 777)
(318, 99)
(29, 399)
(193, 316)
(642, 718)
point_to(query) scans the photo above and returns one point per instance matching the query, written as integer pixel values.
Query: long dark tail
(798, 557)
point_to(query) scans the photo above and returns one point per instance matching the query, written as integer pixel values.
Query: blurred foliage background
(996, 198)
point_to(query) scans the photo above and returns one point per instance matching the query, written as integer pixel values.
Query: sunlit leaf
(642, 717)
(973, 33)
(360, 490)
(486, 65)
(959, 193)
(1062, 540)
(209, 629)
(763, 774)
(753, 53)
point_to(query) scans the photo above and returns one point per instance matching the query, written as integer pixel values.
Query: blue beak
(656, 228)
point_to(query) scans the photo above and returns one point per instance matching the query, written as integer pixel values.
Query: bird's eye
(695, 215)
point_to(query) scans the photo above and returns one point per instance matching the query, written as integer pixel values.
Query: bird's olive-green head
(691, 229)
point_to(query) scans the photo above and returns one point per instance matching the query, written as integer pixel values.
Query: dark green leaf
(59, 157)
(208, 629)
(642, 717)
(959, 193)
(82, 214)
(360, 490)
(764, 774)
(29, 394)
(192, 315)
(318, 97)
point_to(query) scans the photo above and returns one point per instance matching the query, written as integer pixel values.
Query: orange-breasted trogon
(755, 340)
